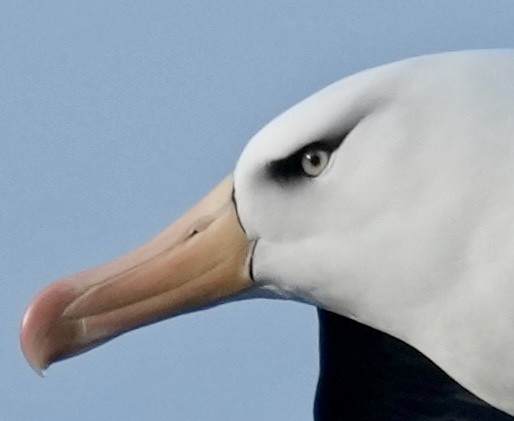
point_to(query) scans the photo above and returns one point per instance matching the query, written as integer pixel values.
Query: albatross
(386, 200)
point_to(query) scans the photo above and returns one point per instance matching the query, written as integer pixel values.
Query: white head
(386, 197)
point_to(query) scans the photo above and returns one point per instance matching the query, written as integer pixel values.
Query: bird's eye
(307, 162)
(314, 161)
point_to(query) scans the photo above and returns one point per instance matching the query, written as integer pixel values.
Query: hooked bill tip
(37, 333)
(28, 347)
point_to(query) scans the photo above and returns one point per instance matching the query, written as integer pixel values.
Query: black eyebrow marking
(289, 169)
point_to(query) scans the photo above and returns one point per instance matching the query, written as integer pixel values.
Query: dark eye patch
(289, 169)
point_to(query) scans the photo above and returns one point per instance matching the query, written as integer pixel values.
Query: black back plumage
(366, 374)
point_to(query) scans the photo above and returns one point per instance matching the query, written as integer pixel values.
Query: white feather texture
(410, 229)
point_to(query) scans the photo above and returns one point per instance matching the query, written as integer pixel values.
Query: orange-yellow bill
(199, 260)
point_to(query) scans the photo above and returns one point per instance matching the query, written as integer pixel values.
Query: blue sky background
(115, 117)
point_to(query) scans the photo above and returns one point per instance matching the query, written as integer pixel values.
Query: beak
(198, 261)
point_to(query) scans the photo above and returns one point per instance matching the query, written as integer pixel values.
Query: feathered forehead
(328, 114)
(336, 109)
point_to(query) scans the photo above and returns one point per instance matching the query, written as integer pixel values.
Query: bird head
(381, 198)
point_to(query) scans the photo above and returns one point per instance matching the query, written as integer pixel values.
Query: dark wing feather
(368, 375)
